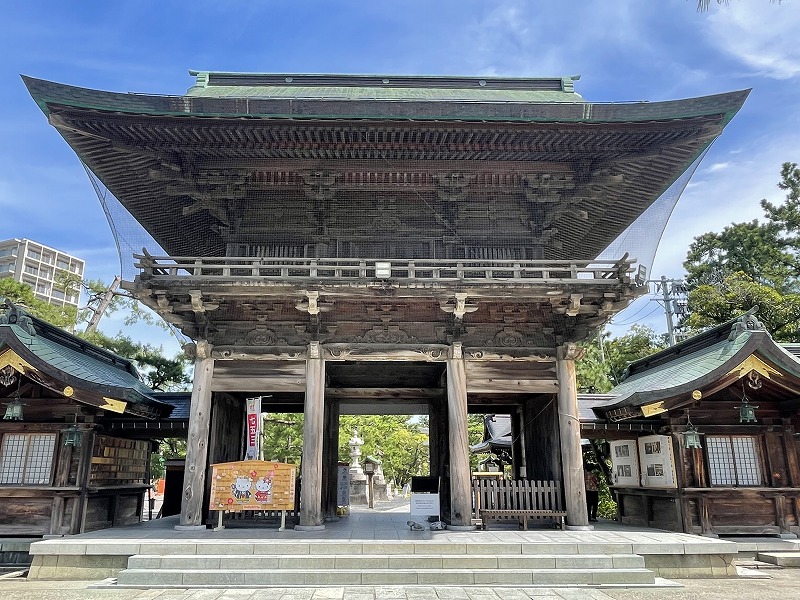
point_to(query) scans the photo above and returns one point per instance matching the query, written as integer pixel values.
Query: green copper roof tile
(396, 94)
(681, 370)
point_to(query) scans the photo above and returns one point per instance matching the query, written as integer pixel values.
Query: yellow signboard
(252, 485)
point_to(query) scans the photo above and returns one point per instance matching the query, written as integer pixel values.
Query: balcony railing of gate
(434, 270)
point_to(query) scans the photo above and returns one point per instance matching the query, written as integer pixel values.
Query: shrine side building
(358, 244)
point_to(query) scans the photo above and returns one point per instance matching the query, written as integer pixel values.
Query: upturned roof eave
(10, 337)
(757, 343)
(694, 344)
(48, 94)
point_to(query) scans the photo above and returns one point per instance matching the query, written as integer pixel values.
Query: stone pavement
(783, 584)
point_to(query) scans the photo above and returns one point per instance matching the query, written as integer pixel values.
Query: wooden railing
(518, 500)
(243, 268)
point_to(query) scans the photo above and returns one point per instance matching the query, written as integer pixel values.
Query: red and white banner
(253, 428)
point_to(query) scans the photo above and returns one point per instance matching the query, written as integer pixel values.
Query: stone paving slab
(782, 559)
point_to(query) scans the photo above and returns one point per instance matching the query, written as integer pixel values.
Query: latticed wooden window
(27, 458)
(733, 460)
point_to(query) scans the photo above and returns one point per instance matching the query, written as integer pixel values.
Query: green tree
(396, 439)
(168, 448)
(606, 358)
(22, 295)
(158, 372)
(282, 437)
(750, 264)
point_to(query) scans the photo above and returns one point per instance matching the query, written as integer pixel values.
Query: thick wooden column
(517, 447)
(311, 517)
(570, 430)
(439, 451)
(194, 476)
(330, 469)
(460, 492)
(542, 439)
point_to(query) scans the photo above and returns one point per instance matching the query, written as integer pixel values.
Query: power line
(637, 320)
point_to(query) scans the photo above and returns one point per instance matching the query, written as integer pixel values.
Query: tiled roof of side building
(74, 358)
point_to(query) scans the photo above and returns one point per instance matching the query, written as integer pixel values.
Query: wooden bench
(518, 499)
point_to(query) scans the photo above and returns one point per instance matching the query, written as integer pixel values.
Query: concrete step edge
(373, 571)
(347, 555)
(113, 585)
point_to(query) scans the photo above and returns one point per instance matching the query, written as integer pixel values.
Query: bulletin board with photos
(646, 461)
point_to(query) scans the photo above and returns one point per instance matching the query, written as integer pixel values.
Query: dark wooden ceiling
(561, 190)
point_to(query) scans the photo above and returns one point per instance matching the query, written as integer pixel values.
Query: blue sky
(624, 50)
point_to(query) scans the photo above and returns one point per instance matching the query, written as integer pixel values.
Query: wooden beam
(384, 393)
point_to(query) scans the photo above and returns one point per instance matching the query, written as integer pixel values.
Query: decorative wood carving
(390, 334)
(262, 337)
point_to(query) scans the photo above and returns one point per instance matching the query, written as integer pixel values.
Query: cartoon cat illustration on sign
(240, 488)
(264, 489)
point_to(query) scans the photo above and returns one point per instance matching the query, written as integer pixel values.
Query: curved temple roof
(59, 360)
(707, 362)
(311, 159)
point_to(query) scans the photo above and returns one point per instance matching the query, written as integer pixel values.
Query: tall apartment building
(38, 266)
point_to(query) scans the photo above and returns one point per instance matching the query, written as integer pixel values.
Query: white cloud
(761, 35)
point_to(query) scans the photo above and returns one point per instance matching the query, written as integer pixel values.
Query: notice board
(252, 485)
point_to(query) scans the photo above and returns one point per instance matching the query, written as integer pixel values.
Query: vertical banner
(253, 428)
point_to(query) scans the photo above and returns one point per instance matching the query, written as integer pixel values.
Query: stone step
(385, 561)
(235, 547)
(216, 578)
(782, 559)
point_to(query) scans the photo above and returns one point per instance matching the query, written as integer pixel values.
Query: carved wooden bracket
(198, 306)
(459, 308)
(570, 351)
(312, 304)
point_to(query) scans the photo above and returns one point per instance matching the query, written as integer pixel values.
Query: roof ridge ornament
(15, 315)
(747, 322)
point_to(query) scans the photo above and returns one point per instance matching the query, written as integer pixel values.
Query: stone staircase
(380, 563)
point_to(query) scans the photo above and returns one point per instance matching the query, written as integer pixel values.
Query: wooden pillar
(460, 491)
(541, 438)
(570, 430)
(311, 517)
(86, 450)
(517, 447)
(439, 451)
(330, 467)
(194, 475)
(434, 454)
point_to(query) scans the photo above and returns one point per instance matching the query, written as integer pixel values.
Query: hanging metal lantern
(691, 437)
(747, 412)
(14, 408)
(73, 436)
(13, 411)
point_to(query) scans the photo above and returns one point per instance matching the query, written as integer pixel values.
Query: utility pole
(673, 292)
